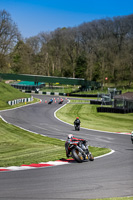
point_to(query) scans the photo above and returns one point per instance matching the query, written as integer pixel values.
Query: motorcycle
(77, 127)
(61, 101)
(132, 137)
(51, 101)
(79, 152)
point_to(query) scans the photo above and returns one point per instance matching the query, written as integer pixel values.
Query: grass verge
(91, 119)
(18, 147)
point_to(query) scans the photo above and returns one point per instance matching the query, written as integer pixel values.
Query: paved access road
(110, 176)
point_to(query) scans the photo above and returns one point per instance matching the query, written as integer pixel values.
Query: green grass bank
(91, 119)
(8, 93)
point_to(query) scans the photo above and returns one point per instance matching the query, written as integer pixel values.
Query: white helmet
(70, 136)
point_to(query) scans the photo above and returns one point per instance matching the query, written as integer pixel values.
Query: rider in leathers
(77, 121)
(71, 138)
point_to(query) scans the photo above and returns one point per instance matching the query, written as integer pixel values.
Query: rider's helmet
(70, 136)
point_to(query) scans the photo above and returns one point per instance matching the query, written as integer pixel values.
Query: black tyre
(77, 155)
(87, 158)
(91, 157)
(77, 128)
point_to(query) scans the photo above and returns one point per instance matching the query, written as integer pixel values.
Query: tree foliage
(9, 35)
(93, 50)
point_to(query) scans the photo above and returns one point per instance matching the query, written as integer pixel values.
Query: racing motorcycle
(79, 151)
(77, 127)
(132, 137)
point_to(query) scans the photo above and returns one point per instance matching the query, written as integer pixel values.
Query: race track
(110, 176)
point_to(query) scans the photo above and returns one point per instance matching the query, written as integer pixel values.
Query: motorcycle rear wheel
(77, 155)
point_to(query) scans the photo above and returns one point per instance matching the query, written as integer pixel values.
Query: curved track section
(109, 176)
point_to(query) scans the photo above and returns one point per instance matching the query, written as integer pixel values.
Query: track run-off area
(108, 176)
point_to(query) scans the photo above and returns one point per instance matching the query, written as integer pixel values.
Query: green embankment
(8, 93)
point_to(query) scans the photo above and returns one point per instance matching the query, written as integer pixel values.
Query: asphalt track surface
(110, 176)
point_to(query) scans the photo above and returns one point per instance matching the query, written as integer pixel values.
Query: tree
(81, 66)
(22, 58)
(9, 35)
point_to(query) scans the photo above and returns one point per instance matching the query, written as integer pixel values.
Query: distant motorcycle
(77, 127)
(77, 124)
(132, 137)
(61, 101)
(51, 101)
(79, 152)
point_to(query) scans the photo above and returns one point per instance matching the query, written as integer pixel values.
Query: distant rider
(77, 121)
(70, 139)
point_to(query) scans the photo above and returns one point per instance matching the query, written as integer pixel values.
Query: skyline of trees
(93, 50)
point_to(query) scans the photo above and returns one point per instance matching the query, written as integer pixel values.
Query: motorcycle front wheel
(91, 157)
(77, 155)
